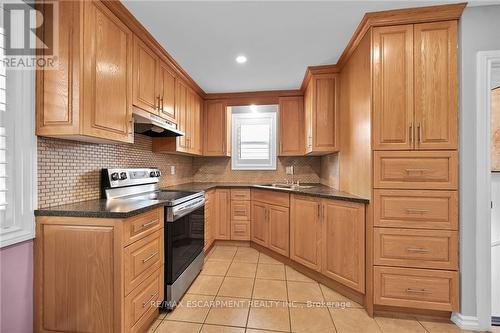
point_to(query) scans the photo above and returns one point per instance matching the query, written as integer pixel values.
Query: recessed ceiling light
(253, 108)
(241, 59)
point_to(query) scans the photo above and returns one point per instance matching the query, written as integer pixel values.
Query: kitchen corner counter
(317, 190)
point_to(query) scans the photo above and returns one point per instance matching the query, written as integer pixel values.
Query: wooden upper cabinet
(292, 135)
(166, 86)
(321, 114)
(100, 49)
(145, 77)
(216, 129)
(305, 231)
(393, 126)
(436, 85)
(343, 243)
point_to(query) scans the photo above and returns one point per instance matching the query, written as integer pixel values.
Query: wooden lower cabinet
(222, 214)
(209, 227)
(279, 229)
(329, 236)
(240, 214)
(89, 278)
(305, 231)
(259, 226)
(343, 243)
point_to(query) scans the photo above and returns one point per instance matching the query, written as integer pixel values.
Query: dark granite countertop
(122, 209)
(317, 190)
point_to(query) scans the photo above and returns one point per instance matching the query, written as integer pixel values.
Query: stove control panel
(112, 178)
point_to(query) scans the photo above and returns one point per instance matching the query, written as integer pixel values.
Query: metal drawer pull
(416, 211)
(153, 296)
(240, 211)
(150, 257)
(417, 291)
(145, 225)
(416, 170)
(418, 249)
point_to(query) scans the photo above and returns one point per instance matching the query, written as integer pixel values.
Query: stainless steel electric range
(184, 223)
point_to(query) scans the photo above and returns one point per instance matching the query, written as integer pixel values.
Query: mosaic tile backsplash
(69, 171)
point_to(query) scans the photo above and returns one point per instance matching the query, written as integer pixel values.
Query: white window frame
(21, 156)
(236, 163)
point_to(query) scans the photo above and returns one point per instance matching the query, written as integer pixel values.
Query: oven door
(184, 241)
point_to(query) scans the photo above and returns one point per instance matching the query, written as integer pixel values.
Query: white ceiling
(279, 38)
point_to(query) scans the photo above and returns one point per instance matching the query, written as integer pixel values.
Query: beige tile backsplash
(69, 171)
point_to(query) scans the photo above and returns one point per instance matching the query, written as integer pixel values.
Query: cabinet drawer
(142, 225)
(416, 248)
(140, 304)
(271, 197)
(240, 210)
(416, 288)
(240, 194)
(142, 258)
(240, 230)
(416, 209)
(416, 169)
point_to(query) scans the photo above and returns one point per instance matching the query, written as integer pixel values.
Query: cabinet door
(343, 244)
(222, 214)
(145, 79)
(279, 230)
(259, 227)
(436, 105)
(167, 92)
(181, 106)
(107, 52)
(215, 143)
(197, 126)
(305, 231)
(71, 281)
(325, 113)
(291, 113)
(393, 87)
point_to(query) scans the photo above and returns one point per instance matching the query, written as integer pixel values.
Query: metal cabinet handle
(319, 210)
(419, 132)
(158, 99)
(151, 256)
(146, 225)
(153, 296)
(416, 170)
(418, 291)
(411, 133)
(418, 250)
(162, 110)
(416, 211)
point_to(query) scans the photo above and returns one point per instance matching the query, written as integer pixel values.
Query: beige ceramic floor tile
(440, 327)
(192, 308)
(167, 326)
(306, 319)
(221, 329)
(218, 268)
(269, 315)
(337, 300)
(293, 275)
(246, 254)
(265, 259)
(270, 271)
(225, 253)
(228, 311)
(269, 289)
(304, 292)
(353, 321)
(251, 330)
(206, 285)
(236, 287)
(153, 326)
(242, 269)
(399, 325)
(495, 329)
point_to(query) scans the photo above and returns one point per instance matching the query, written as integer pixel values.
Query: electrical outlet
(172, 170)
(290, 170)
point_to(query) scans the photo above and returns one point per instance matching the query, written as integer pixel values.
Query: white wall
(495, 239)
(479, 32)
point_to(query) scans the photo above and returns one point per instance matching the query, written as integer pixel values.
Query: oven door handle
(176, 213)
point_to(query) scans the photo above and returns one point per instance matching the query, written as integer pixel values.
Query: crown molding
(140, 31)
(253, 97)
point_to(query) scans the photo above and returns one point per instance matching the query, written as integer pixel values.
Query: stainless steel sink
(290, 187)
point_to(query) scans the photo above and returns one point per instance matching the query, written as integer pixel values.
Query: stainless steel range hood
(152, 125)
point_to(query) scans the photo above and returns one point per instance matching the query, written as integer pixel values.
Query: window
(17, 151)
(254, 137)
